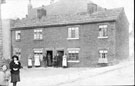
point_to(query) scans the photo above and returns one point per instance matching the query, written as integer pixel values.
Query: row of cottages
(88, 38)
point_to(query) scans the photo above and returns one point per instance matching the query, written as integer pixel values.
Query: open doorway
(61, 53)
(49, 57)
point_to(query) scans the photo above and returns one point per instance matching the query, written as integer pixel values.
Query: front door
(49, 58)
(61, 53)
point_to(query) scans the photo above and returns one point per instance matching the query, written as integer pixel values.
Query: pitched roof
(67, 7)
(63, 7)
(99, 16)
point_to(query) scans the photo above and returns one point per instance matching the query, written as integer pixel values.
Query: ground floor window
(73, 54)
(39, 53)
(103, 56)
(38, 56)
(17, 51)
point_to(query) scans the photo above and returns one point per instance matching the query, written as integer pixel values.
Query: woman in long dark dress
(15, 66)
(49, 63)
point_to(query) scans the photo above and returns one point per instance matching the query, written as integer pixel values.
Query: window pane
(102, 30)
(35, 36)
(72, 33)
(73, 56)
(69, 32)
(103, 55)
(105, 31)
(41, 37)
(18, 35)
(77, 32)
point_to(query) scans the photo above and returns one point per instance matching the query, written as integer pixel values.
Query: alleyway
(121, 74)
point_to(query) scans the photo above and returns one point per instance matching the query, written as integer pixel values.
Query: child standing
(4, 76)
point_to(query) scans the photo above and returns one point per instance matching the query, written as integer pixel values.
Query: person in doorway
(15, 67)
(59, 60)
(4, 76)
(55, 60)
(64, 61)
(49, 63)
(45, 60)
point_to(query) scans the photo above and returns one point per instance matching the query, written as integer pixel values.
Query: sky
(18, 8)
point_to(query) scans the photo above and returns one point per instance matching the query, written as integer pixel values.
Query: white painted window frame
(103, 60)
(18, 35)
(101, 33)
(39, 50)
(73, 50)
(76, 33)
(38, 34)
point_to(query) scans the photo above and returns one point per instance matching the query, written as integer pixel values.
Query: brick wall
(56, 38)
(122, 37)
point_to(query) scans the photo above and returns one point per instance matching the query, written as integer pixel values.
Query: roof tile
(110, 14)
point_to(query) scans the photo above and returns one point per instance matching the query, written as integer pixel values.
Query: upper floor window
(73, 33)
(38, 34)
(103, 31)
(103, 56)
(18, 35)
(73, 54)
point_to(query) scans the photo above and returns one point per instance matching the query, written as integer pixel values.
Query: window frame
(101, 59)
(18, 35)
(38, 34)
(76, 50)
(103, 29)
(76, 33)
(39, 52)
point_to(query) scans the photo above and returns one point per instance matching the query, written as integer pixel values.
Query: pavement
(78, 76)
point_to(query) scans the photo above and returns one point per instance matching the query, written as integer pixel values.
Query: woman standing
(64, 61)
(45, 60)
(15, 66)
(37, 60)
(30, 61)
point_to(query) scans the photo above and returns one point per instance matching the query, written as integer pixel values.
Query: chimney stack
(41, 12)
(29, 7)
(91, 8)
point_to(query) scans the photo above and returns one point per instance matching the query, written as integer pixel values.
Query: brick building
(90, 36)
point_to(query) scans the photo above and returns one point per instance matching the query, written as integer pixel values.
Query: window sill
(103, 37)
(72, 38)
(77, 61)
(18, 40)
(38, 39)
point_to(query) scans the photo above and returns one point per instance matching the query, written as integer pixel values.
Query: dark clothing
(14, 84)
(15, 74)
(55, 61)
(13, 65)
(59, 60)
(49, 62)
(44, 58)
(45, 61)
(15, 78)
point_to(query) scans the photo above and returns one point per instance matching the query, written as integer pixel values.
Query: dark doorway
(61, 53)
(49, 57)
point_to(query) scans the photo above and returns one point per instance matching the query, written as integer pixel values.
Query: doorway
(61, 53)
(49, 58)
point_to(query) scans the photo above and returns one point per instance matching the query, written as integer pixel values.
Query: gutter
(59, 25)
